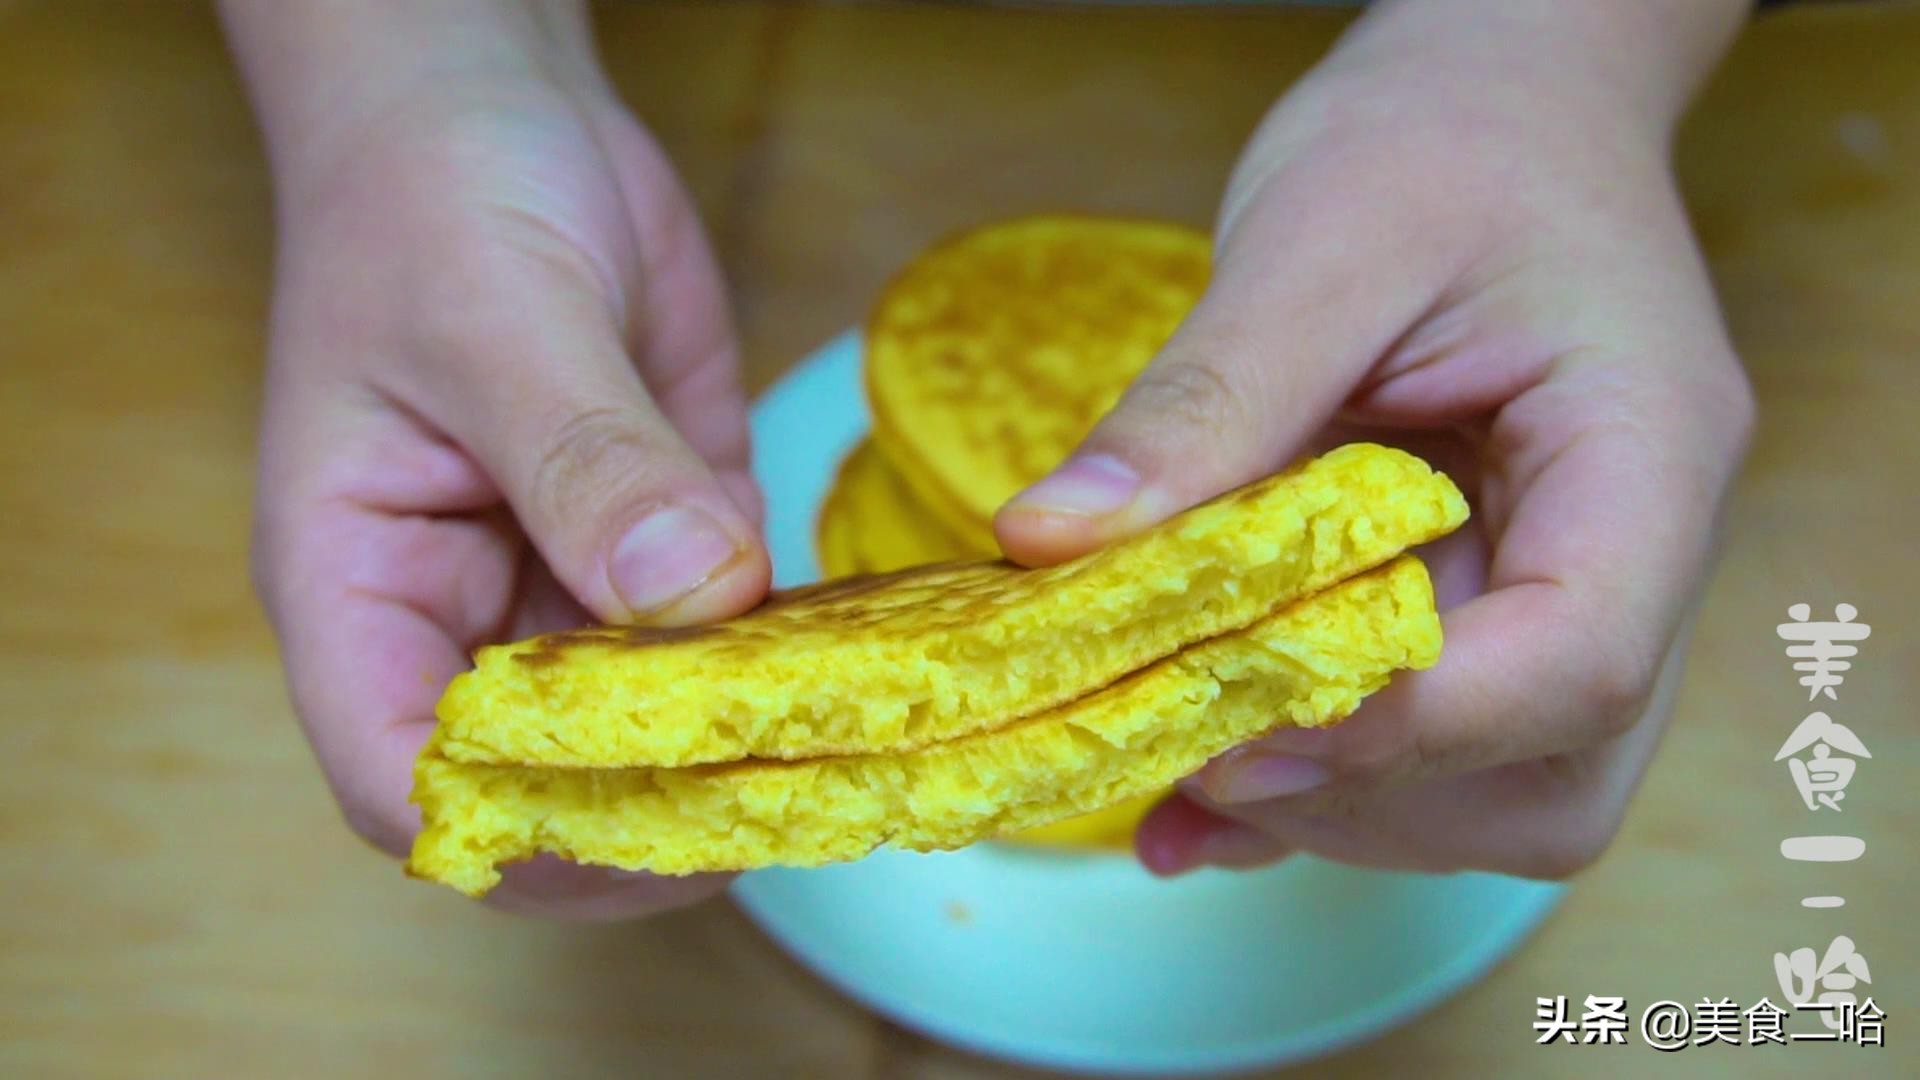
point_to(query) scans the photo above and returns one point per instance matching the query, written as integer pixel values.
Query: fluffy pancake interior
(889, 664)
(870, 524)
(1308, 665)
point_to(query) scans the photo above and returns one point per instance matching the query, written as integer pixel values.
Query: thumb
(634, 523)
(1300, 304)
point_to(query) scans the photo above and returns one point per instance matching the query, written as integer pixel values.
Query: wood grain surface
(181, 898)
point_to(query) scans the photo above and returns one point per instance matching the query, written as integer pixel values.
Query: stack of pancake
(945, 704)
(988, 359)
(961, 698)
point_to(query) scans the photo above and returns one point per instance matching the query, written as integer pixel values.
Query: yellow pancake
(990, 357)
(1308, 665)
(870, 524)
(895, 662)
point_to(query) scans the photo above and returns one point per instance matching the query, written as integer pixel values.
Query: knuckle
(588, 455)
(1374, 762)
(1358, 754)
(1608, 669)
(480, 319)
(1190, 394)
(260, 568)
(1371, 755)
(1340, 809)
(1712, 400)
(1429, 753)
(371, 828)
(360, 811)
(268, 563)
(1736, 402)
(537, 252)
(1616, 688)
(1568, 851)
(495, 288)
(672, 240)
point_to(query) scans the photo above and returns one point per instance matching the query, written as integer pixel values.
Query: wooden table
(181, 899)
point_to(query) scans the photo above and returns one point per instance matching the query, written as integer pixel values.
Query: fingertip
(1035, 536)
(1179, 836)
(1160, 858)
(1164, 841)
(1091, 500)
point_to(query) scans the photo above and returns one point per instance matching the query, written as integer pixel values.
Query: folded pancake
(990, 356)
(870, 524)
(892, 663)
(1308, 665)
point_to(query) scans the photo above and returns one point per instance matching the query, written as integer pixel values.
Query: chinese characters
(1822, 757)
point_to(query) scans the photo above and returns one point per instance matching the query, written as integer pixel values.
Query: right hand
(1460, 234)
(502, 399)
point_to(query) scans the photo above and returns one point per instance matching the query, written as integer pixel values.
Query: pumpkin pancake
(1308, 665)
(990, 357)
(891, 663)
(870, 524)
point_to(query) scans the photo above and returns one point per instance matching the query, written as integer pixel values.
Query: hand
(502, 395)
(1459, 234)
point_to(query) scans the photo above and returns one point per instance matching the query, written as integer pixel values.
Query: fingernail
(1255, 777)
(1095, 485)
(672, 552)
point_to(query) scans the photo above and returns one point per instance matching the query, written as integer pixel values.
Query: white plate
(1085, 961)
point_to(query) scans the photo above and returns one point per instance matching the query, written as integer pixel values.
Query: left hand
(1459, 234)
(502, 396)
